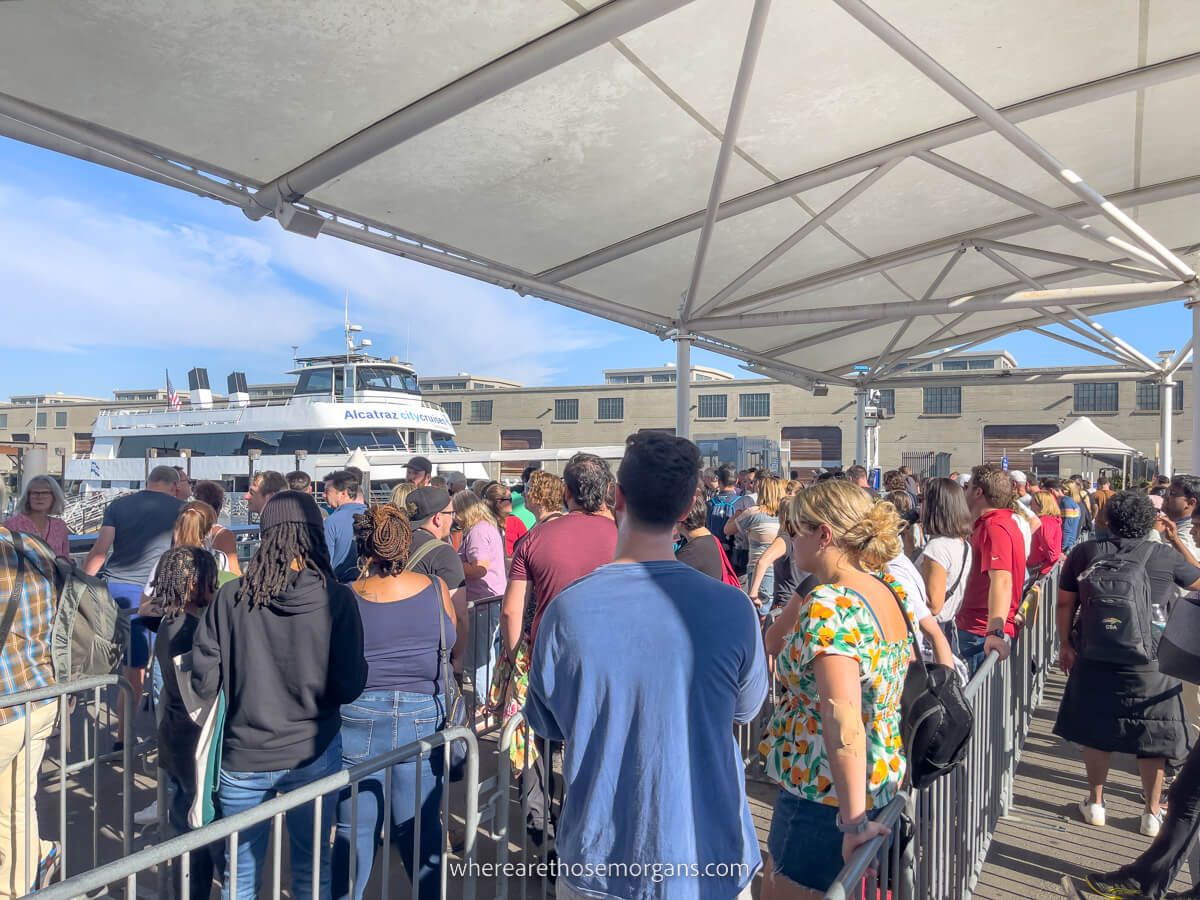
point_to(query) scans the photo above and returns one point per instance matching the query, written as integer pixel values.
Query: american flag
(173, 400)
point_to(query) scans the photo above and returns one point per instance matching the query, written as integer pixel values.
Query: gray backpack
(88, 635)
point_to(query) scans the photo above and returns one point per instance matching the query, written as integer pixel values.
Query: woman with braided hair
(404, 617)
(284, 643)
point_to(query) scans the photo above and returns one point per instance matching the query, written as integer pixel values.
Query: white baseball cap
(964, 479)
(1018, 476)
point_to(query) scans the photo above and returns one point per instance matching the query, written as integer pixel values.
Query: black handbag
(935, 717)
(454, 706)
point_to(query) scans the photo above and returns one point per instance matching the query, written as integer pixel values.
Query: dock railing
(940, 835)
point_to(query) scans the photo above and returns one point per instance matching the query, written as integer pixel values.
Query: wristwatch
(858, 826)
(996, 632)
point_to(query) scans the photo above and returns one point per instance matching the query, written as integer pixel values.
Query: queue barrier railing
(946, 829)
(176, 852)
(60, 771)
(480, 660)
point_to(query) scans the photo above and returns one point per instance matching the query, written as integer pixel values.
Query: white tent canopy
(1081, 437)
(821, 189)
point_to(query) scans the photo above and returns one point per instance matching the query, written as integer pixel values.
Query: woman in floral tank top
(834, 743)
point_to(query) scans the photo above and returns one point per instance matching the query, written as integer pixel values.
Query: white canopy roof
(806, 186)
(1081, 436)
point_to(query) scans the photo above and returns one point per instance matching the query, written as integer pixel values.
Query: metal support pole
(683, 385)
(860, 425)
(1195, 388)
(1166, 410)
(737, 104)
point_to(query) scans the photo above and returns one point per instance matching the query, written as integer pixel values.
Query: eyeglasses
(41, 493)
(507, 498)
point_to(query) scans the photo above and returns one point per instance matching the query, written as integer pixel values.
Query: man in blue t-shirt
(342, 491)
(643, 668)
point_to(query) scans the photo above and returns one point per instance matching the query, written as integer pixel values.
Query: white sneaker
(147, 816)
(1151, 822)
(1093, 813)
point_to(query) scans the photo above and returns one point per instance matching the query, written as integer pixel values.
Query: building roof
(802, 186)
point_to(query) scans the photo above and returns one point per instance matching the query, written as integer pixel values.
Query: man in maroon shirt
(993, 592)
(554, 554)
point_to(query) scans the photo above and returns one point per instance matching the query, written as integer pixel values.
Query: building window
(41, 420)
(3, 420)
(754, 406)
(566, 410)
(610, 409)
(712, 406)
(1099, 396)
(453, 411)
(1149, 397)
(481, 411)
(887, 401)
(663, 379)
(60, 420)
(942, 401)
(954, 365)
(981, 364)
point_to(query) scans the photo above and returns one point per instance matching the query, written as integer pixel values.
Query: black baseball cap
(420, 464)
(424, 503)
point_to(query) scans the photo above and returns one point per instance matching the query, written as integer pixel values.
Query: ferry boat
(350, 408)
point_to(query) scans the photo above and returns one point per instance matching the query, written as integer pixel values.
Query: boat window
(379, 378)
(373, 439)
(315, 381)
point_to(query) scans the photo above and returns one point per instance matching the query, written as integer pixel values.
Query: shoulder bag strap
(423, 551)
(443, 655)
(10, 613)
(907, 623)
(962, 569)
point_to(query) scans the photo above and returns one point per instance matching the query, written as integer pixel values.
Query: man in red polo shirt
(997, 575)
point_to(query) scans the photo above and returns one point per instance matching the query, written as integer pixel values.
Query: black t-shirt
(1167, 568)
(703, 555)
(441, 561)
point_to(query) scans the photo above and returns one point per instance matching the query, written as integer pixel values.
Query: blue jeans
(240, 791)
(971, 649)
(374, 724)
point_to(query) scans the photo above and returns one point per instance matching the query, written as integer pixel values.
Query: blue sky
(109, 280)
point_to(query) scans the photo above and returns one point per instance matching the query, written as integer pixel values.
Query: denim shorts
(129, 597)
(804, 842)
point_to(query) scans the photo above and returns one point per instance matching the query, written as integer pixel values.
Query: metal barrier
(178, 850)
(953, 820)
(536, 777)
(59, 767)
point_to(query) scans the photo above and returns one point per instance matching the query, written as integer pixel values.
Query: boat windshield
(383, 378)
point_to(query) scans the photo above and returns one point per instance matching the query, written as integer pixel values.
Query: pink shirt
(483, 542)
(57, 535)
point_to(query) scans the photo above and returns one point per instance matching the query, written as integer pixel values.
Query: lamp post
(186, 456)
(300, 457)
(151, 453)
(252, 456)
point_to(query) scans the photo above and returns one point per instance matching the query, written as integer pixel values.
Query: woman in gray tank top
(403, 615)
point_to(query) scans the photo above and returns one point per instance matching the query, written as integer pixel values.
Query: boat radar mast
(351, 330)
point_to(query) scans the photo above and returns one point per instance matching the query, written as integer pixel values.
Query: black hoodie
(286, 669)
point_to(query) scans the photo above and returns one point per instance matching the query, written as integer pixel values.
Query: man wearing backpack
(137, 529)
(721, 508)
(26, 862)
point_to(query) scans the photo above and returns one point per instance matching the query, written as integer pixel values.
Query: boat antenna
(351, 330)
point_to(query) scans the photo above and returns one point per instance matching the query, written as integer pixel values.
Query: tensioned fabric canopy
(1081, 436)
(810, 186)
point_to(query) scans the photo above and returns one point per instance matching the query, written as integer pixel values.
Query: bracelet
(858, 826)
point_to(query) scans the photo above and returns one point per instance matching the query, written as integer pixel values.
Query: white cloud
(78, 277)
(450, 323)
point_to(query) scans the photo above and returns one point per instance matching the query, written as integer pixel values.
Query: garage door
(518, 439)
(1000, 441)
(811, 447)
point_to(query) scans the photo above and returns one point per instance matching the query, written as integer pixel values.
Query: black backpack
(935, 717)
(1114, 624)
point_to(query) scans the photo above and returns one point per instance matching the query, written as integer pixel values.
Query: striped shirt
(25, 656)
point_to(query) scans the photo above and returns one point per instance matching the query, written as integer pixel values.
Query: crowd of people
(337, 642)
